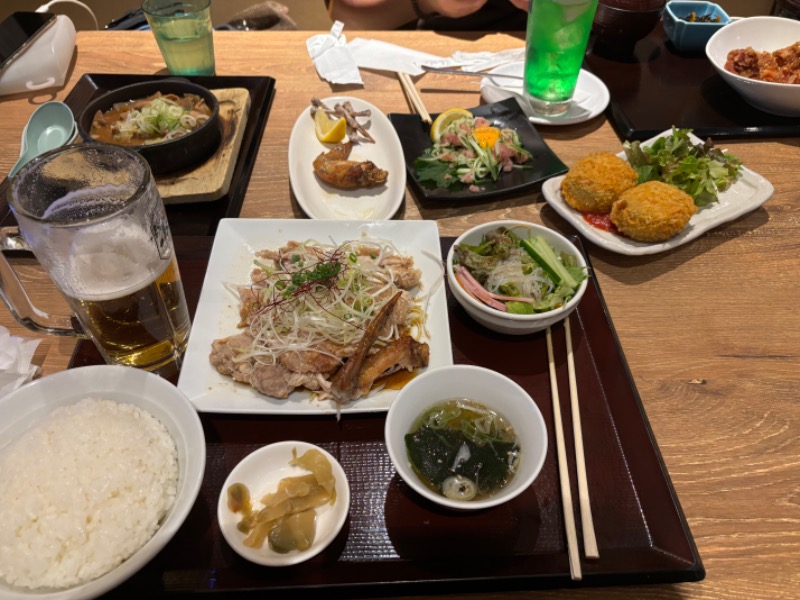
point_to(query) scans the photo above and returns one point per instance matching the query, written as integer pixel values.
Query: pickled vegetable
(287, 516)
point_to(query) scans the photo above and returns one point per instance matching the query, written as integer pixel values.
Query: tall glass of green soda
(558, 31)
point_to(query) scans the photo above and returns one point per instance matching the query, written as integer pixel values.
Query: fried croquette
(595, 182)
(652, 212)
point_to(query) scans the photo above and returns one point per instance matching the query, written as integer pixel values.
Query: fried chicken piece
(333, 168)
(595, 182)
(345, 383)
(652, 212)
(788, 60)
(403, 353)
(753, 64)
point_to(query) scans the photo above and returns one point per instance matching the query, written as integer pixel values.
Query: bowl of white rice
(99, 467)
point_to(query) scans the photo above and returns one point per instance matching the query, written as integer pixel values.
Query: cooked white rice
(82, 492)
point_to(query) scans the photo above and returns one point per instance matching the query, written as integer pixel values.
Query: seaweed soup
(463, 450)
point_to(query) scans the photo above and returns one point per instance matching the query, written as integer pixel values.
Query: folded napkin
(383, 56)
(338, 62)
(16, 354)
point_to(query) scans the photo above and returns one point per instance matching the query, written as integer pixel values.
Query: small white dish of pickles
(283, 503)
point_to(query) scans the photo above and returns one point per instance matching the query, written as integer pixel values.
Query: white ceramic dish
(763, 34)
(495, 391)
(322, 201)
(217, 311)
(591, 95)
(749, 192)
(28, 405)
(261, 471)
(504, 322)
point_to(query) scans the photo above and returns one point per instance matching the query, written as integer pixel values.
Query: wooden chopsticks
(563, 473)
(414, 97)
(589, 539)
(587, 522)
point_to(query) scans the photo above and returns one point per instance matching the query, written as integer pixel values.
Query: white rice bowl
(99, 467)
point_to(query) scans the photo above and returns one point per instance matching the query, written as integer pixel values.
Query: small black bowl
(172, 155)
(619, 27)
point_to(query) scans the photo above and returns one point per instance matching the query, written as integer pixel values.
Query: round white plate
(590, 99)
(261, 471)
(322, 201)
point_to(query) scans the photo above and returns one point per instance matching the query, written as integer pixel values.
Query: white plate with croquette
(749, 192)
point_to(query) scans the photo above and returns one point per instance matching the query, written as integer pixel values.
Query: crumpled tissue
(332, 58)
(338, 62)
(16, 354)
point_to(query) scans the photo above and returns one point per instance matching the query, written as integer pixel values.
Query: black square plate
(415, 139)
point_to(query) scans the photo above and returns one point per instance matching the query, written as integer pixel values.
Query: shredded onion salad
(159, 120)
(310, 295)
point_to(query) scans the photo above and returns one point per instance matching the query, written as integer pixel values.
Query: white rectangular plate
(218, 309)
(749, 192)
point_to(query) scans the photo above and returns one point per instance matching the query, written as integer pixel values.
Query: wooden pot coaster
(211, 180)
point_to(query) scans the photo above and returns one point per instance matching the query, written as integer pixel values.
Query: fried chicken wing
(333, 168)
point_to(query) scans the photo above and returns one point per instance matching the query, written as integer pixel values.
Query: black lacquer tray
(653, 86)
(396, 543)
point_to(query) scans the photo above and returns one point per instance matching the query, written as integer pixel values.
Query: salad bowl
(508, 322)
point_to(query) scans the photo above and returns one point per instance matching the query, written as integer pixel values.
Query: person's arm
(391, 14)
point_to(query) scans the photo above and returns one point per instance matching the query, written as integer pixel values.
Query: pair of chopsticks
(414, 97)
(587, 523)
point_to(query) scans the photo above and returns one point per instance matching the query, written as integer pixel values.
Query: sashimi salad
(468, 151)
(521, 275)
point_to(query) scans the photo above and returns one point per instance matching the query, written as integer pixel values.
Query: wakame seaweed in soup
(463, 450)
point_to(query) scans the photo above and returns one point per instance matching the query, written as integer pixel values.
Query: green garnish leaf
(700, 170)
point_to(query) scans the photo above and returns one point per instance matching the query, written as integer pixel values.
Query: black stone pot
(172, 155)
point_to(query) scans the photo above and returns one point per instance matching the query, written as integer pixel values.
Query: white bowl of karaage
(759, 57)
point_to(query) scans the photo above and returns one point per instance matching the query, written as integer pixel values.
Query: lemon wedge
(329, 130)
(444, 119)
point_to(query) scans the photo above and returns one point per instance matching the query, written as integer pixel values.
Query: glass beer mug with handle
(94, 219)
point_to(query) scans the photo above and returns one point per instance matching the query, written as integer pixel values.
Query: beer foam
(111, 261)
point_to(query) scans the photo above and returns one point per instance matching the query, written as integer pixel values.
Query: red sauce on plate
(600, 221)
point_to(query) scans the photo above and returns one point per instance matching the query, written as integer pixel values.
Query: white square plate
(749, 192)
(217, 313)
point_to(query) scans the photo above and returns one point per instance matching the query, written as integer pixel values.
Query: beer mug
(93, 217)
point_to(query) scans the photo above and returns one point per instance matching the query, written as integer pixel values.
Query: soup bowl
(172, 155)
(483, 386)
(505, 322)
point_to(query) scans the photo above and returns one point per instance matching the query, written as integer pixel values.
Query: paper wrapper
(16, 356)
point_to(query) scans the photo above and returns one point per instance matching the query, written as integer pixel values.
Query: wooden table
(711, 330)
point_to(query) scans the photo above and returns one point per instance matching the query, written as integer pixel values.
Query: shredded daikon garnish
(321, 297)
